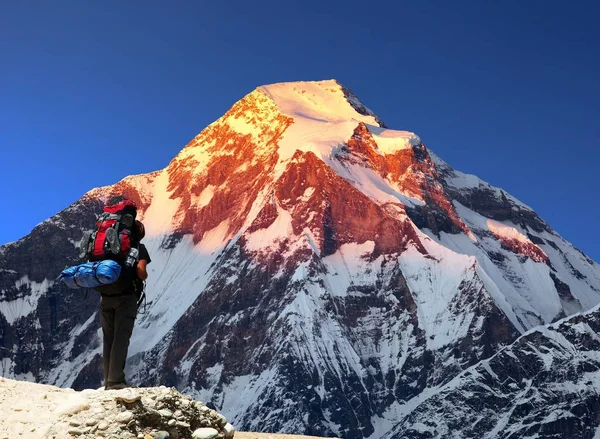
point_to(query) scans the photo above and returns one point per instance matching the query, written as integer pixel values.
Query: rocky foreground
(32, 410)
(37, 411)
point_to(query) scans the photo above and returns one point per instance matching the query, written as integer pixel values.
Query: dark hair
(129, 206)
(115, 200)
(139, 230)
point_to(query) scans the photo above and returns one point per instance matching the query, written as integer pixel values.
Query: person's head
(139, 230)
(122, 205)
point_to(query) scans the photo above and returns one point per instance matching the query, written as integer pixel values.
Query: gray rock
(177, 414)
(52, 431)
(149, 402)
(166, 413)
(128, 396)
(124, 417)
(229, 431)
(205, 433)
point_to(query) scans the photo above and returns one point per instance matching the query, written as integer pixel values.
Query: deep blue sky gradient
(93, 91)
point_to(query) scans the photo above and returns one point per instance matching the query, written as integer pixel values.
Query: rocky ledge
(137, 413)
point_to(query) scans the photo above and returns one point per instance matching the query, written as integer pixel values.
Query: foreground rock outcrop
(38, 411)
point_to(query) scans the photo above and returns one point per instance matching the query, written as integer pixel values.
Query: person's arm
(140, 269)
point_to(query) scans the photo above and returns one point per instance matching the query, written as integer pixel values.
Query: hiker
(118, 310)
(116, 268)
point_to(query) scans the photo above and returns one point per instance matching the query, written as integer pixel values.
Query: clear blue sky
(93, 91)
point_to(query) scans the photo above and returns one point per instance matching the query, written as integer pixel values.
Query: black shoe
(116, 386)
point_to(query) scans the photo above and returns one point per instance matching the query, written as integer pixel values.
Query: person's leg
(107, 320)
(124, 321)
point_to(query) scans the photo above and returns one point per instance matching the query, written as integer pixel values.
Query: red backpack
(112, 238)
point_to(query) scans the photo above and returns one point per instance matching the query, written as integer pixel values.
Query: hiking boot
(116, 386)
(112, 238)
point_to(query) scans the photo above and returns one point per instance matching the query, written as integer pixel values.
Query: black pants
(117, 315)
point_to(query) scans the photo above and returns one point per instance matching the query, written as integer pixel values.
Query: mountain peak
(326, 100)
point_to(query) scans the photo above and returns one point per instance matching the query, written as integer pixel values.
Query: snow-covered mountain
(312, 271)
(544, 385)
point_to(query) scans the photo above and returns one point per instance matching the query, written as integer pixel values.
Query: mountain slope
(545, 385)
(312, 269)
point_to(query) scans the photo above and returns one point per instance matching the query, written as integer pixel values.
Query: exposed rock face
(313, 272)
(240, 167)
(412, 171)
(38, 315)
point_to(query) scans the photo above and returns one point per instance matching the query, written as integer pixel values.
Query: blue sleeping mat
(91, 274)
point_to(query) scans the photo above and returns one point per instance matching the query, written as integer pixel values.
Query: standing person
(118, 310)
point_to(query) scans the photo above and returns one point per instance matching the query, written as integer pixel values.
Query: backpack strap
(94, 268)
(109, 216)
